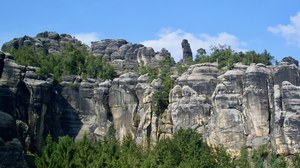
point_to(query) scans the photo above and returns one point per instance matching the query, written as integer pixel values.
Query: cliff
(246, 106)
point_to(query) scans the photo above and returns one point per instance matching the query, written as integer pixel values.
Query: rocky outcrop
(126, 56)
(187, 52)
(28, 101)
(49, 42)
(286, 72)
(123, 104)
(190, 104)
(245, 106)
(290, 60)
(148, 126)
(200, 77)
(83, 106)
(227, 123)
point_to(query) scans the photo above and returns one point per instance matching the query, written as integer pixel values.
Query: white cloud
(171, 40)
(87, 38)
(290, 32)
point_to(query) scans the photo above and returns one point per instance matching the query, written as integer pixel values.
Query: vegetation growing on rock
(226, 57)
(70, 61)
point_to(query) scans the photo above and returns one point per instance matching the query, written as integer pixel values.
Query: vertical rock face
(83, 107)
(37, 114)
(246, 106)
(227, 124)
(286, 72)
(287, 118)
(256, 103)
(190, 104)
(123, 104)
(187, 52)
(243, 105)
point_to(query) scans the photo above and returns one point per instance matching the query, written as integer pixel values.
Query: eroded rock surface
(246, 106)
(126, 56)
(49, 42)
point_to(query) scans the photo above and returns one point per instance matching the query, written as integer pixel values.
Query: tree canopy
(226, 57)
(70, 61)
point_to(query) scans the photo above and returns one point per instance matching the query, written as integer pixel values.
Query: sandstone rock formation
(190, 105)
(245, 106)
(126, 56)
(123, 55)
(50, 42)
(187, 52)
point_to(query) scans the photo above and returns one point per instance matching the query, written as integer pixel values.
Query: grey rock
(226, 125)
(50, 42)
(287, 72)
(7, 127)
(286, 118)
(126, 56)
(11, 155)
(200, 77)
(290, 60)
(123, 104)
(187, 52)
(188, 109)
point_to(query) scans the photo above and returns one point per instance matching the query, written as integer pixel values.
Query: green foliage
(226, 57)
(70, 61)
(28, 56)
(260, 157)
(185, 149)
(181, 68)
(161, 97)
(296, 161)
(167, 82)
(243, 160)
(144, 69)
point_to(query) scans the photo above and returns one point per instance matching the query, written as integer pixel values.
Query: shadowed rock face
(290, 60)
(287, 118)
(11, 154)
(187, 52)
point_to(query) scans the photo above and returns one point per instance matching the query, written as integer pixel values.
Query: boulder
(11, 154)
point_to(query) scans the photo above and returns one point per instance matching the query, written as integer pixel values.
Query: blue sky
(244, 25)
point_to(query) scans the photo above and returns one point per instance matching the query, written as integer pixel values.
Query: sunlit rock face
(227, 122)
(189, 101)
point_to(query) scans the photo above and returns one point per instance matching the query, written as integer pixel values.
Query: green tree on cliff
(226, 57)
